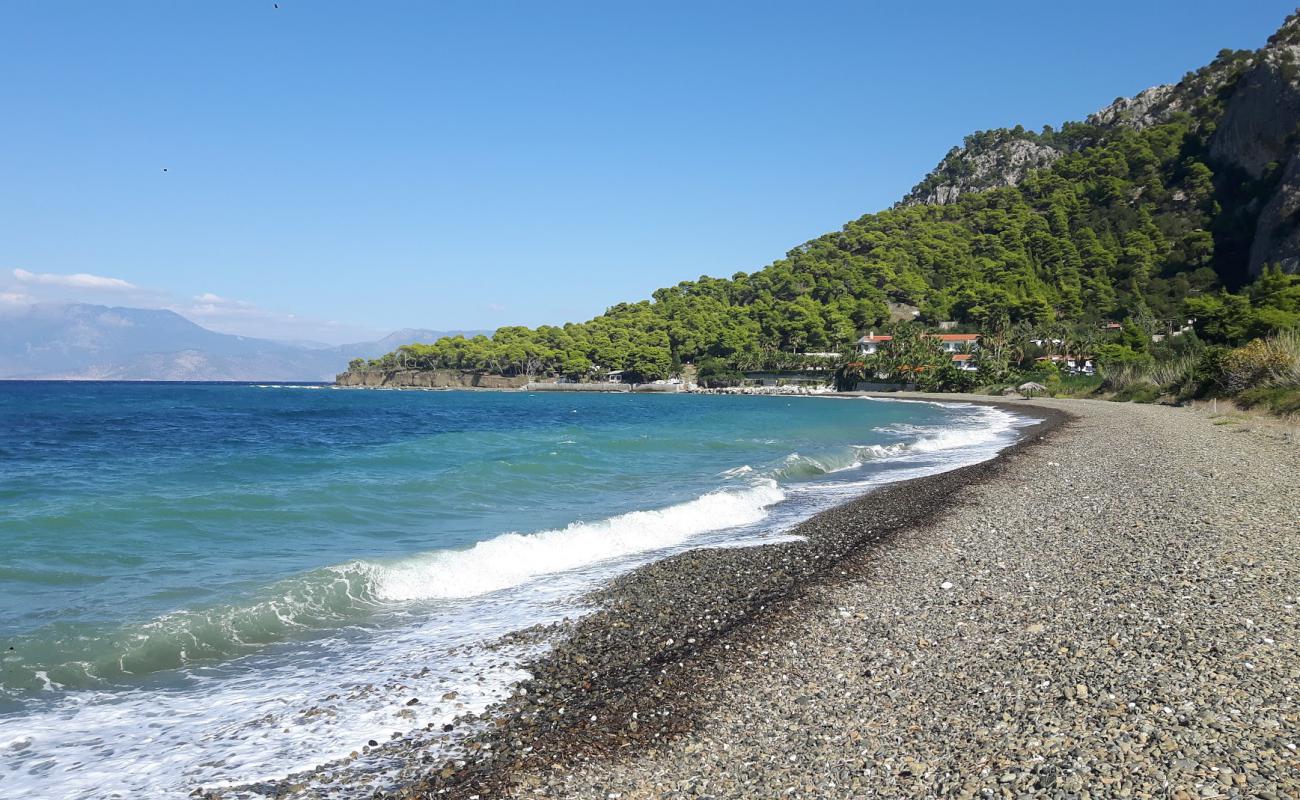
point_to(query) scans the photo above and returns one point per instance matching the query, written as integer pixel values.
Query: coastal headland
(464, 379)
(1107, 609)
(427, 379)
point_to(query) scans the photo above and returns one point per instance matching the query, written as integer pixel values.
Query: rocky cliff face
(982, 164)
(1258, 135)
(1261, 114)
(1144, 109)
(1277, 233)
(1004, 157)
(1251, 102)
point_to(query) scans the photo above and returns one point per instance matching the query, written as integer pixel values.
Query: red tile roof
(961, 357)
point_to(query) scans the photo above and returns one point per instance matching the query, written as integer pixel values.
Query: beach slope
(1111, 612)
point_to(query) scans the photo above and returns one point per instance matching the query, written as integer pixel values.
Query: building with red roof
(961, 345)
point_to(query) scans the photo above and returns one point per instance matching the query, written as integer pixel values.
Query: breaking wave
(513, 558)
(343, 594)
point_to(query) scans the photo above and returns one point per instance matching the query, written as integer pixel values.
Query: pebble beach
(1107, 609)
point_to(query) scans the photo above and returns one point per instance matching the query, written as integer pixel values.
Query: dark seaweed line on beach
(639, 670)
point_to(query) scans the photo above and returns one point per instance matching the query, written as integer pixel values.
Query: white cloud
(77, 280)
(495, 308)
(14, 299)
(212, 302)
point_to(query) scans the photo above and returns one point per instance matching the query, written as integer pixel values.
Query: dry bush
(1261, 362)
(1175, 372)
(1286, 347)
(1118, 377)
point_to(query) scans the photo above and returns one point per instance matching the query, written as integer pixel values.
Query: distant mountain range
(90, 342)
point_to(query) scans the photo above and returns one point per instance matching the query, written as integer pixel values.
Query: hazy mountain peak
(72, 341)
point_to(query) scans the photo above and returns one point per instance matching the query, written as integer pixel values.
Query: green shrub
(1079, 385)
(1281, 400)
(1138, 393)
(714, 373)
(1174, 373)
(1121, 373)
(946, 379)
(1209, 370)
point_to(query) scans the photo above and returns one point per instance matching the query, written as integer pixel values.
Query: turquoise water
(206, 564)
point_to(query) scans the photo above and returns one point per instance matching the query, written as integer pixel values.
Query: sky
(332, 171)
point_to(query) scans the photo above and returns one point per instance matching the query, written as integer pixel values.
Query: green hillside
(1146, 213)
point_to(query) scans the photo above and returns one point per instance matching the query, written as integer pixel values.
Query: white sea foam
(990, 426)
(736, 472)
(260, 719)
(513, 558)
(274, 713)
(884, 450)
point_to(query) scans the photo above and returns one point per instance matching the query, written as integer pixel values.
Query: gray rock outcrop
(978, 166)
(1258, 135)
(1255, 137)
(1277, 234)
(1144, 109)
(1261, 114)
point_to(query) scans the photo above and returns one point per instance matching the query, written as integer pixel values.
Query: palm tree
(1067, 342)
(1021, 336)
(995, 347)
(1086, 340)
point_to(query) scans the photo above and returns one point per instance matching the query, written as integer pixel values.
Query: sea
(211, 585)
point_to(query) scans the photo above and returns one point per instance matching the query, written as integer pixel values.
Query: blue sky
(335, 170)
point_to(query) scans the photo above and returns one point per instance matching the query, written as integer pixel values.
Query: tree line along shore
(1176, 367)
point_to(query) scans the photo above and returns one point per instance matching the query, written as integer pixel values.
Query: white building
(960, 345)
(870, 343)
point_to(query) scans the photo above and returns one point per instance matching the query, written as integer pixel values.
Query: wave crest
(346, 593)
(511, 559)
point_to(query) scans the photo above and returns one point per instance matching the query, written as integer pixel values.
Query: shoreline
(630, 674)
(1111, 612)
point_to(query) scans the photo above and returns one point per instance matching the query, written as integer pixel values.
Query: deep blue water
(190, 560)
